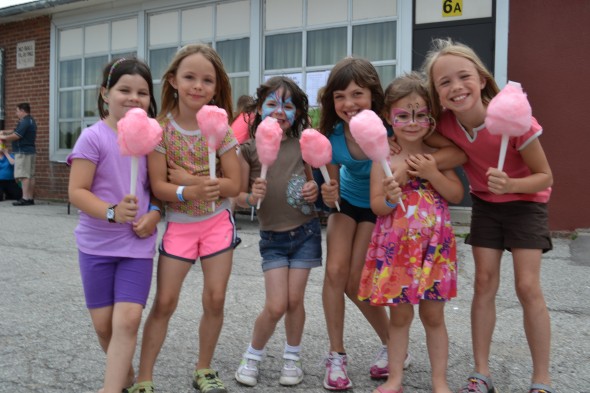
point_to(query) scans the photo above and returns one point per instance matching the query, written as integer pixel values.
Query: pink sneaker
(380, 367)
(336, 377)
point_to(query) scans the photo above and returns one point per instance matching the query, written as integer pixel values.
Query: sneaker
(247, 373)
(292, 373)
(336, 377)
(141, 387)
(380, 367)
(24, 202)
(478, 383)
(207, 381)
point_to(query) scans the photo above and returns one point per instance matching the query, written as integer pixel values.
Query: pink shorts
(203, 239)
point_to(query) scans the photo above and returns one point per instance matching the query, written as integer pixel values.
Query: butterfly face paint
(401, 117)
(274, 105)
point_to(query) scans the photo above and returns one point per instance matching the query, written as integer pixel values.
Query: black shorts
(507, 225)
(358, 214)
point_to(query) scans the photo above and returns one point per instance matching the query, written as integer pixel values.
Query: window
(305, 38)
(82, 52)
(225, 27)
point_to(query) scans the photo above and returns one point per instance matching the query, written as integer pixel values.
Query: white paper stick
(388, 173)
(263, 171)
(212, 168)
(503, 147)
(134, 168)
(326, 176)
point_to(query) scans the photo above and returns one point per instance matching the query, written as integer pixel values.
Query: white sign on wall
(25, 54)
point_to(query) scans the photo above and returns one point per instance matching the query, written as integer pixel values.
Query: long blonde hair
(441, 47)
(222, 97)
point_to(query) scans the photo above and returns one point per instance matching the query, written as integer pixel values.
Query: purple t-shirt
(98, 144)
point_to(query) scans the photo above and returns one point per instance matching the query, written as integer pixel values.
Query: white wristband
(179, 191)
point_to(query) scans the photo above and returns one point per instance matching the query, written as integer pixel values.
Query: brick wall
(32, 85)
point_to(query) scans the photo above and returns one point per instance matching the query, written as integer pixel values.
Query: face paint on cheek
(270, 105)
(290, 113)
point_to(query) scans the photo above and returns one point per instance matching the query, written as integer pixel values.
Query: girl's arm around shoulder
(446, 182)
(81, 178)
(448, 155)
(385, 191)
(539, 179)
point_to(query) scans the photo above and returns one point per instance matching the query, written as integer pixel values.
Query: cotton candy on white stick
(368, 131)
(213, 124)
(316, 150)
(137, 135)
(509, 114)
(268, 142)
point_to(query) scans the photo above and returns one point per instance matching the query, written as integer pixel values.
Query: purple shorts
(109, 280)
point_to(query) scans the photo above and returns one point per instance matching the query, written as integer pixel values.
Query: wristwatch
(111, 213)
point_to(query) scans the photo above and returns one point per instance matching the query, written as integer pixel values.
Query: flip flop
(540, 388)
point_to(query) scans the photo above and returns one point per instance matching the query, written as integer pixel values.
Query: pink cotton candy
(213, 124)
(315, 148)
(368, 131)
(138, 134)
(268, 140)
(509, 112)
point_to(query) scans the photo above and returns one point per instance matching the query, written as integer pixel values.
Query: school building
(52, 53)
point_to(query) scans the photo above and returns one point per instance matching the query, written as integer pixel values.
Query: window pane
(283, 51)
(158, 94)
(93, 69)
(375, 41)
(239, 86)
(68, 134)
(386, 74)
(159, 60)
(325, 47)
(235, 54)
(70, 73)
(70, 104)
(90, 103)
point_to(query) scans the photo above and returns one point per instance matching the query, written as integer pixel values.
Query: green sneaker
(207, 381)
(141, 387)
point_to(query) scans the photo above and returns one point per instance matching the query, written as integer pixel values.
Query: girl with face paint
(411, 258)
(290, 231)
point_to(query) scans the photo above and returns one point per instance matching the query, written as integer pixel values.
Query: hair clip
(115, 64)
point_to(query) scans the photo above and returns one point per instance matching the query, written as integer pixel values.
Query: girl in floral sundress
(412, 255)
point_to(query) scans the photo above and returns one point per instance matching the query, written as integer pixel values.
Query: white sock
(292, 349)
(257, 352)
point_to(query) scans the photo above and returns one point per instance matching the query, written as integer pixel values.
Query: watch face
(111, 213)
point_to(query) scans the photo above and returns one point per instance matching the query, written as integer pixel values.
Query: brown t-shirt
(283, 207)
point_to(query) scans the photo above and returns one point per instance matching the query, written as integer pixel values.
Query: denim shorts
(298, 248)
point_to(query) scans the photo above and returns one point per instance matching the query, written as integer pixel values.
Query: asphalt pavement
(48, 345)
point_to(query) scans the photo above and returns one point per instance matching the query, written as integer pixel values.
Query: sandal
(540, 388)
(381, 389)
(478, 383)
(141, 387)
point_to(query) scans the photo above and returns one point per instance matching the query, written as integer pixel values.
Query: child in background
(411, 258)
(353, 85)
(116, 261)
(509, 207)
(9, 188)
(179, 174)
(243, 118)
(291, 239)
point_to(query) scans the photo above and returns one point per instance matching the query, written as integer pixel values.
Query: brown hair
(349, 69)
(118, 67)
(298, 97)
(222, 97)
